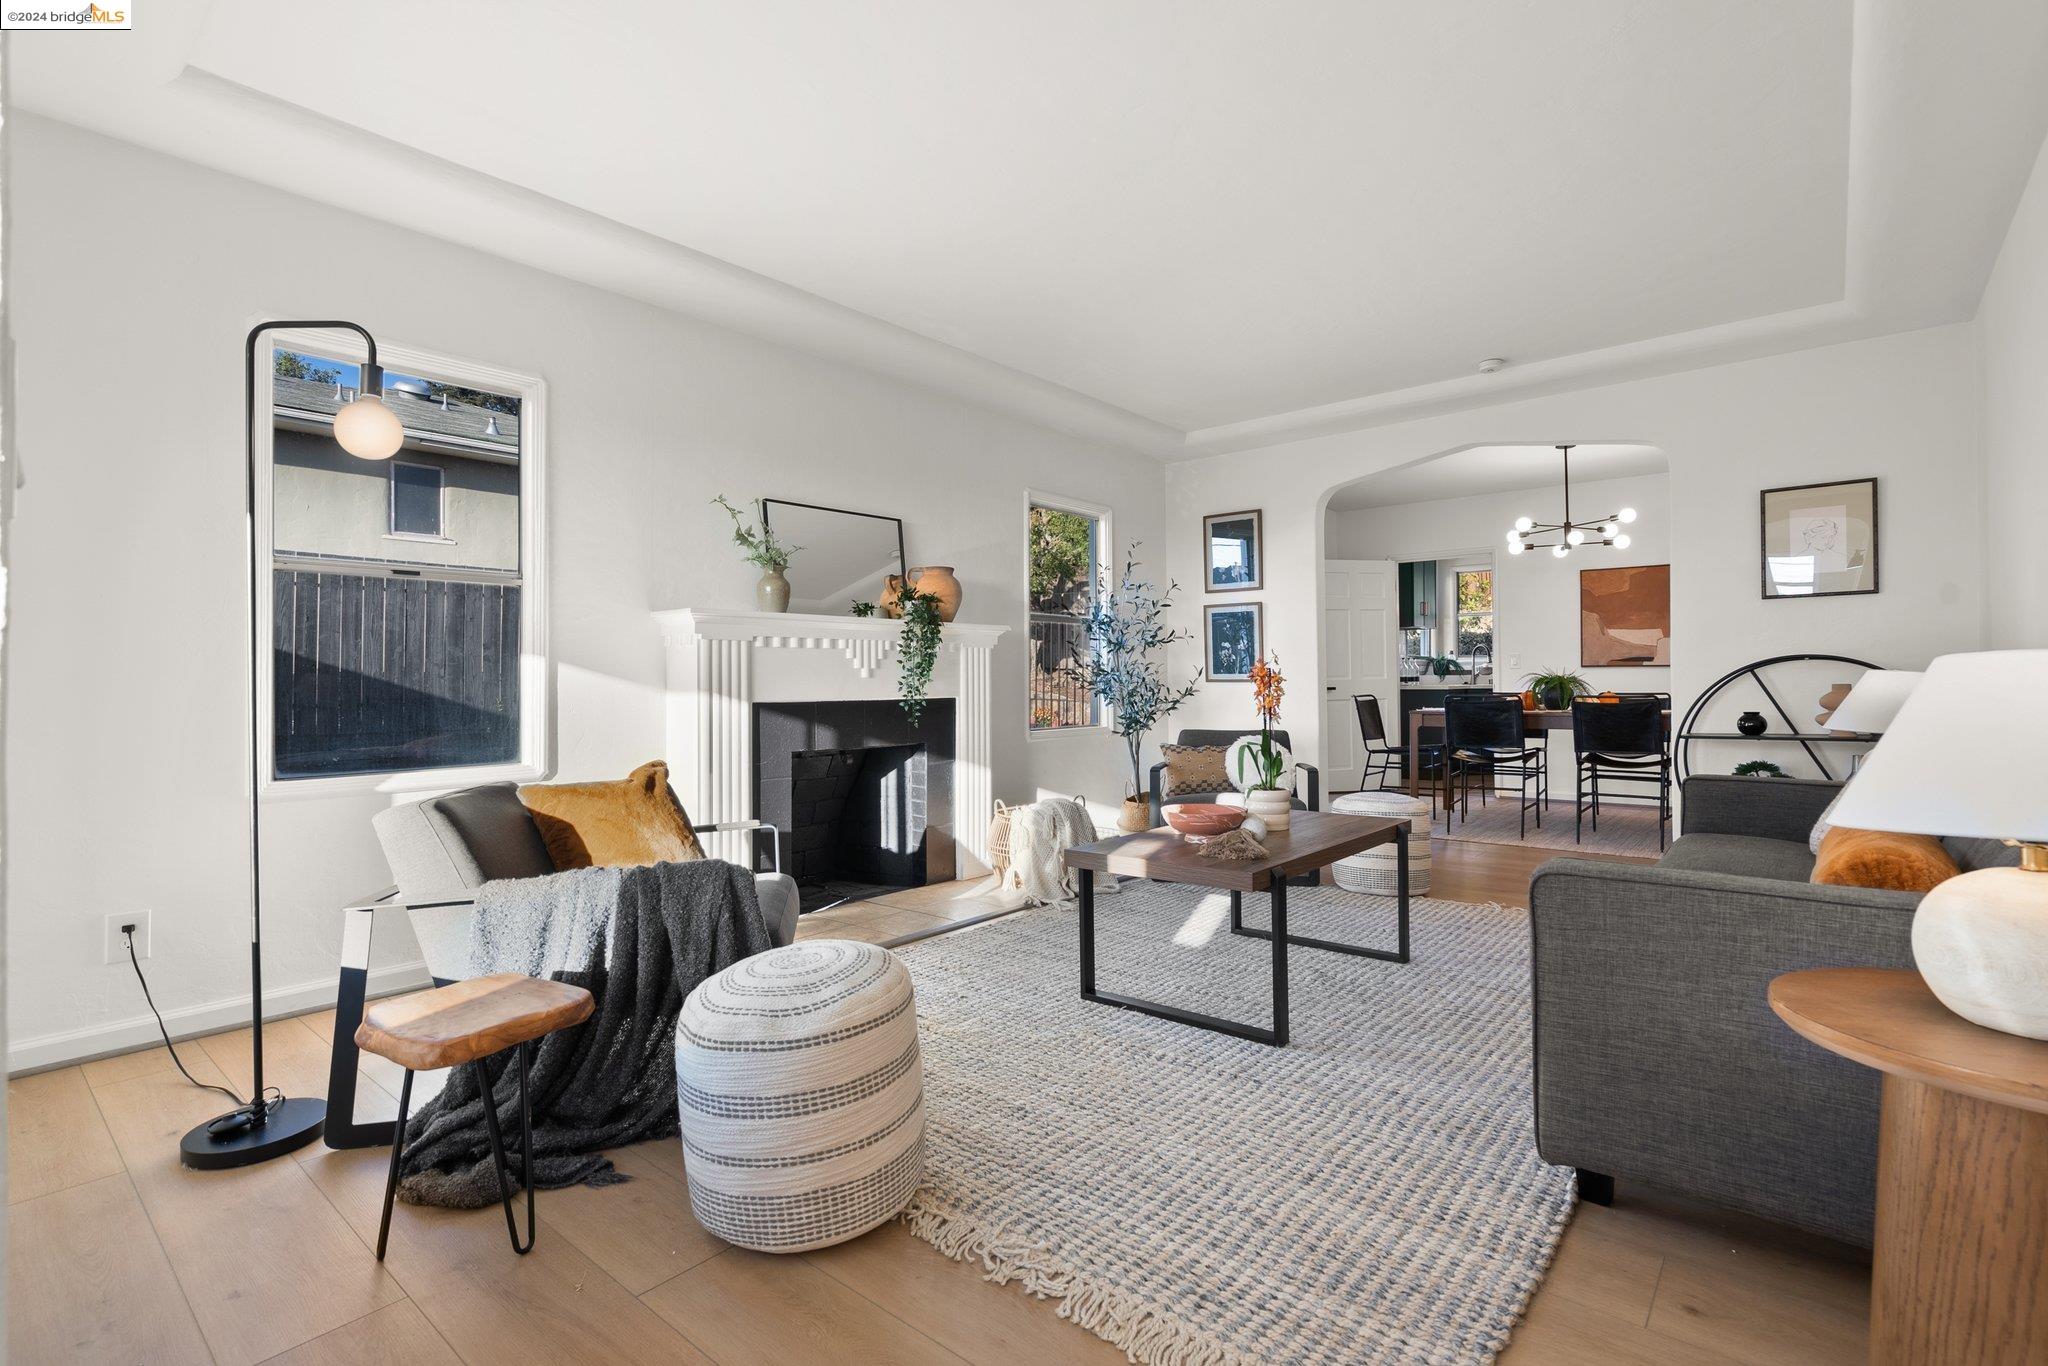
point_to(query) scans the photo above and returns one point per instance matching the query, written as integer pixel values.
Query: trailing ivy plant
(757, 542)
(863, 609)
(1125, 629)
(918, 648)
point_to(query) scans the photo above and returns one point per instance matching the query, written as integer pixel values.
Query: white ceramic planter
(1270, 805)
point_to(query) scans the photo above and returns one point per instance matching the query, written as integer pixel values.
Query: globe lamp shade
(368, 430)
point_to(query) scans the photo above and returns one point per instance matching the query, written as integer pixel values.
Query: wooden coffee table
(1313, 840)
(1961, 1269)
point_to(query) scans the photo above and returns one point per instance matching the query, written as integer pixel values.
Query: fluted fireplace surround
(723, 664)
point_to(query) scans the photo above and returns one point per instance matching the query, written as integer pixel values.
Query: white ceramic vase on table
(1271, 805)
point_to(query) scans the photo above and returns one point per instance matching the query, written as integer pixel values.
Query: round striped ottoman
(1374, 870)
(801, 1095)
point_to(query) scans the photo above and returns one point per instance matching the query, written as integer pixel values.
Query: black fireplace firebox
(863, 796)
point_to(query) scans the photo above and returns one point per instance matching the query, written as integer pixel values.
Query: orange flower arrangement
(1268, 686)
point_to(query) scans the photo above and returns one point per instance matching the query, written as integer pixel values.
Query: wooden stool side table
(467, 1023)
(1961, 1267)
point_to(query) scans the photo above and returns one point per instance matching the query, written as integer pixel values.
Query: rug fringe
(1118, 1319)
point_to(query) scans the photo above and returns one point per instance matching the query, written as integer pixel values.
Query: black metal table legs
(1277, 936)
(498, 1165)
(1399, 954)
(1277, 1034)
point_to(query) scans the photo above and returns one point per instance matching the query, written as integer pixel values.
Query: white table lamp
(1981, 939)
(1875, 701)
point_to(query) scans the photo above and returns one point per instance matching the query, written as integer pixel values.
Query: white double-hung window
(405, 641)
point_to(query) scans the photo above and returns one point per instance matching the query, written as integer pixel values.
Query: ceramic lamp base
(1981, 941)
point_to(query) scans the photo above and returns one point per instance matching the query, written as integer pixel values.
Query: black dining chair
(1622, 741)
(1382, 756)
(1484, 734)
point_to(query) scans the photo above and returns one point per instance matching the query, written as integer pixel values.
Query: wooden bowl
(1202, 820)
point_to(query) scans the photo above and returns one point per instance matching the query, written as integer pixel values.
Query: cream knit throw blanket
(1039, 834)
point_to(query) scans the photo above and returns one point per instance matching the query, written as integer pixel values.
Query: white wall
(2013, 319)
(125, 711)
(1535, 596)
(1903, 408)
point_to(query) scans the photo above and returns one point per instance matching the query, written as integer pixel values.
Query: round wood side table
(1961, 1268)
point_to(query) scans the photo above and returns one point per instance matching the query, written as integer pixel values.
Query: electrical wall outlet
(117, 944)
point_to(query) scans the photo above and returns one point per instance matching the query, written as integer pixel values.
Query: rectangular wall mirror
(844, 557)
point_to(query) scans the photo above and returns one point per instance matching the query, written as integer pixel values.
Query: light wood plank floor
(116, 1254)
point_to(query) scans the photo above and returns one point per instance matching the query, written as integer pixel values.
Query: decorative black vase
(1752, 723)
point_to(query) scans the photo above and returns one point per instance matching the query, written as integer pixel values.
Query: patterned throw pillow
(1193, 770)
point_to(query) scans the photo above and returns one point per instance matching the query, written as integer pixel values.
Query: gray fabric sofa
(443, 848)
(1658, 1058)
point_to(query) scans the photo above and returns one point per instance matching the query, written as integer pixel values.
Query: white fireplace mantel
(720, 663)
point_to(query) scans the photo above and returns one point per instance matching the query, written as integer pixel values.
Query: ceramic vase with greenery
(759, 547)
(1124, 630)
(918, 649)
(1555, 691)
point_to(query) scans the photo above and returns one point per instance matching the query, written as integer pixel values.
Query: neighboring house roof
(448, 428)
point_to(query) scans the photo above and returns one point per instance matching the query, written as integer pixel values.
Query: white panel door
(1361, 640)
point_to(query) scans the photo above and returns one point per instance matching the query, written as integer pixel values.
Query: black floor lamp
(265, 1128)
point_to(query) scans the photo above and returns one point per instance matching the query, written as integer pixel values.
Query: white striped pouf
(801, 1095)
(1374, 871)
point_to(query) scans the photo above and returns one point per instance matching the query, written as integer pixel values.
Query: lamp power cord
(247, 1113)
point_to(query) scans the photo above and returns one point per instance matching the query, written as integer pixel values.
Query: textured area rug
(1623, 829)
(1370, 1193)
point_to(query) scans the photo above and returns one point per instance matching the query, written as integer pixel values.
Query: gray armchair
(1224, 737)
(1658, 1058)
(441, 850)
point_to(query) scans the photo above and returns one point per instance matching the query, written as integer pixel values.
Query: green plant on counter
(918, 647)
(1555, 691)
(1443, 666)
(1758, 768)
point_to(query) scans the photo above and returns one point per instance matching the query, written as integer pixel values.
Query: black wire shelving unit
(1754, 670)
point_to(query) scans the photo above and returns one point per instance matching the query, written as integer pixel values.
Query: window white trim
(440, 531)
(536, 700)
(1105, 560)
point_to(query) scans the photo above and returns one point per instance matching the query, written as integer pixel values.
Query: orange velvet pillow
(1882, 859)
(622, 824)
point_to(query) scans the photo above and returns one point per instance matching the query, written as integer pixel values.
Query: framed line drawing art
(1625, 617)
(1236, 640)
(1820, 540)
(1233, 559)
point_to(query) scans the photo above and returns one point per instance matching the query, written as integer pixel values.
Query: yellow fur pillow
(636, 820)
(1882, 859)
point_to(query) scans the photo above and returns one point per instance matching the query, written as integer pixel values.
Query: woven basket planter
(801, 1095)
(1374, 872)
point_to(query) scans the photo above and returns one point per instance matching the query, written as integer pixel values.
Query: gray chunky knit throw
(640, 939)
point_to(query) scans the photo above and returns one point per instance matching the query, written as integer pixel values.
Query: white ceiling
(1181, 227)
(1480, 470)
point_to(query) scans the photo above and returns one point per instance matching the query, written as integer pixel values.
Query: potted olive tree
(1125, 628)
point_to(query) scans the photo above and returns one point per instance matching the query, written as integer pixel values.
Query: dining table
(1535, 721)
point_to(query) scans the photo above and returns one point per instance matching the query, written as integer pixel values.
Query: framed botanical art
(1820, 540)
(1625, 617)
(1236, 640)
(1233, 560)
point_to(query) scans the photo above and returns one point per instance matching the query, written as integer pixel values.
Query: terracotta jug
(938, 579)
